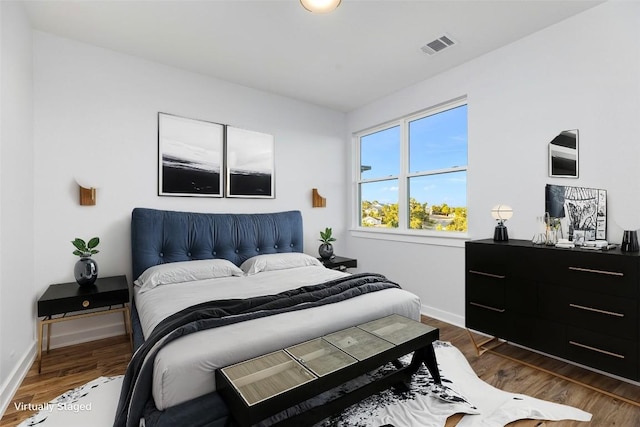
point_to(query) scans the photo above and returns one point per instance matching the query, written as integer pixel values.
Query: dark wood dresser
(576, 304)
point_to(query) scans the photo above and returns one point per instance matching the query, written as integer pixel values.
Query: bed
(190, 267)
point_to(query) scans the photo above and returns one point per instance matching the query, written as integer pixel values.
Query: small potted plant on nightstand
(86, 268)
(326, 248)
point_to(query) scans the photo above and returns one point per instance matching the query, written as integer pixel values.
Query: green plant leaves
(79, 243)
(325, 236)
(83, 248)
(93, 242)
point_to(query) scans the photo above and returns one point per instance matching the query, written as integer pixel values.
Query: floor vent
(438, 45)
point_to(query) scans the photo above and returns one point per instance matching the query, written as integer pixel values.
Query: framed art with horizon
(250, 164)
(190, 156)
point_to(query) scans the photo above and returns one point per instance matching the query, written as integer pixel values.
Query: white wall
(16, 199)
(96, 109)
(583, 73)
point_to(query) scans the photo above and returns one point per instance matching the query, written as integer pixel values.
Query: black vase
(325, 250)
(630, 241)
(86, 271)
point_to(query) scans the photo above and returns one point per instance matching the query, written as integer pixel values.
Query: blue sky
(435, 142)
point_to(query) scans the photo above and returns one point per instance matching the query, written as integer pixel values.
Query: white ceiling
(364, 50)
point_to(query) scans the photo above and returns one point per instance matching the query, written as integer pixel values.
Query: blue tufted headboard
(159, 236)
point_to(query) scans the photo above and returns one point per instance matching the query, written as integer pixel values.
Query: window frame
(403, 232)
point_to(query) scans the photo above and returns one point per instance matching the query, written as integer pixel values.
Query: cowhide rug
(424, 404)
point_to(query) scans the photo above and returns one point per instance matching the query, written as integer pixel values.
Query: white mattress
(184, 369)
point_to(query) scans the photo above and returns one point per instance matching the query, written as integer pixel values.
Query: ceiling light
(320, 6)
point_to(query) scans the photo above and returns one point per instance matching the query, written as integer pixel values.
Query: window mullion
(355, 172)
(403, 183)
(437, 171)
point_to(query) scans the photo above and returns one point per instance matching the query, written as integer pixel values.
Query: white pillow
(281, 261)
(186, 271)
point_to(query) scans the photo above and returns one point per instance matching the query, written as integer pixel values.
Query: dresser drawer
(85, 302)
(603, 352)
(544, 335)
(487, 319)
(605, 314)
(595, 272)
(487, 259)
(486, 290)
(69, 297)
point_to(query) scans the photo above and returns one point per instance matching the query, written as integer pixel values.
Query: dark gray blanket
(136, 387)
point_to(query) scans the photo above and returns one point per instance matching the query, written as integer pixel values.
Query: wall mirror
(563, 155)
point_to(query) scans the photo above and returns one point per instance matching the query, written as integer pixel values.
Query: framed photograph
(583, 211)
(190, 154)
(563, 155)
(250, 164)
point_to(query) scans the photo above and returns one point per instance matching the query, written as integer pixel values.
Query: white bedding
(184, 369)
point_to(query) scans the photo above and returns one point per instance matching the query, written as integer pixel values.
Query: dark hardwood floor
(69, 367)
(66, 368)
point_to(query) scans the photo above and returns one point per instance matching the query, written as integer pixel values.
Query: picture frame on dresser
(582, 211)
(190, 157)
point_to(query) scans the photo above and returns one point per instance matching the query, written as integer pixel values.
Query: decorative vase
(325, 250)
(630, 241)
(86, 271)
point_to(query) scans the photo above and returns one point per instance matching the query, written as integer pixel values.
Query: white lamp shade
(502, 212)
(87, 181)
(320, 6)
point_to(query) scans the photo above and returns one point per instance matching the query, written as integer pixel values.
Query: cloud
(394, 189)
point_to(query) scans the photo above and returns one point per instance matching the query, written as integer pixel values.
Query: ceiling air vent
(438, 45)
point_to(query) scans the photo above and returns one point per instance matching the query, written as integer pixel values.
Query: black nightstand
(339, 263)
(64, 298)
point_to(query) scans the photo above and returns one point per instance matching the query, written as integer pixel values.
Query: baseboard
(9, 388)
(445, 316)
(15, 378)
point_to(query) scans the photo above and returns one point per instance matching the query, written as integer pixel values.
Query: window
(413, 172)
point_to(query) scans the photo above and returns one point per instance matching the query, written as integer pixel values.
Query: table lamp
(501, 213)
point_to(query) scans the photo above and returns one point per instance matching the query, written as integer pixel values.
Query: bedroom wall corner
(519, 97)
(98, 108)
(17, 292)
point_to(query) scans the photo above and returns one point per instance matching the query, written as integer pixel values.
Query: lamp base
(500, 234)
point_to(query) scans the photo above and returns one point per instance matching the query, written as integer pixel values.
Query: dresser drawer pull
(608, 353)
(85, 303)
(597, 310)
(498, 310)
(482, 273)
(590, 270)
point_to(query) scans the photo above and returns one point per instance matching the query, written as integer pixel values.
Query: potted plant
(326, 248)
(86, 268)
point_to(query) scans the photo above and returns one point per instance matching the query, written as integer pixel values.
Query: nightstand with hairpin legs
(69, 301)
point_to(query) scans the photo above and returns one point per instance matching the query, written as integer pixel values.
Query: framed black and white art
(250, 164)
(582, 211)
(190, 155)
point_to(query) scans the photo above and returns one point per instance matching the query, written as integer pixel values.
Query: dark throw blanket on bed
(136, 387)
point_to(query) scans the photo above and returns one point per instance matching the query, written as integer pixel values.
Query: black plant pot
(86, 271)
(325, 250)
